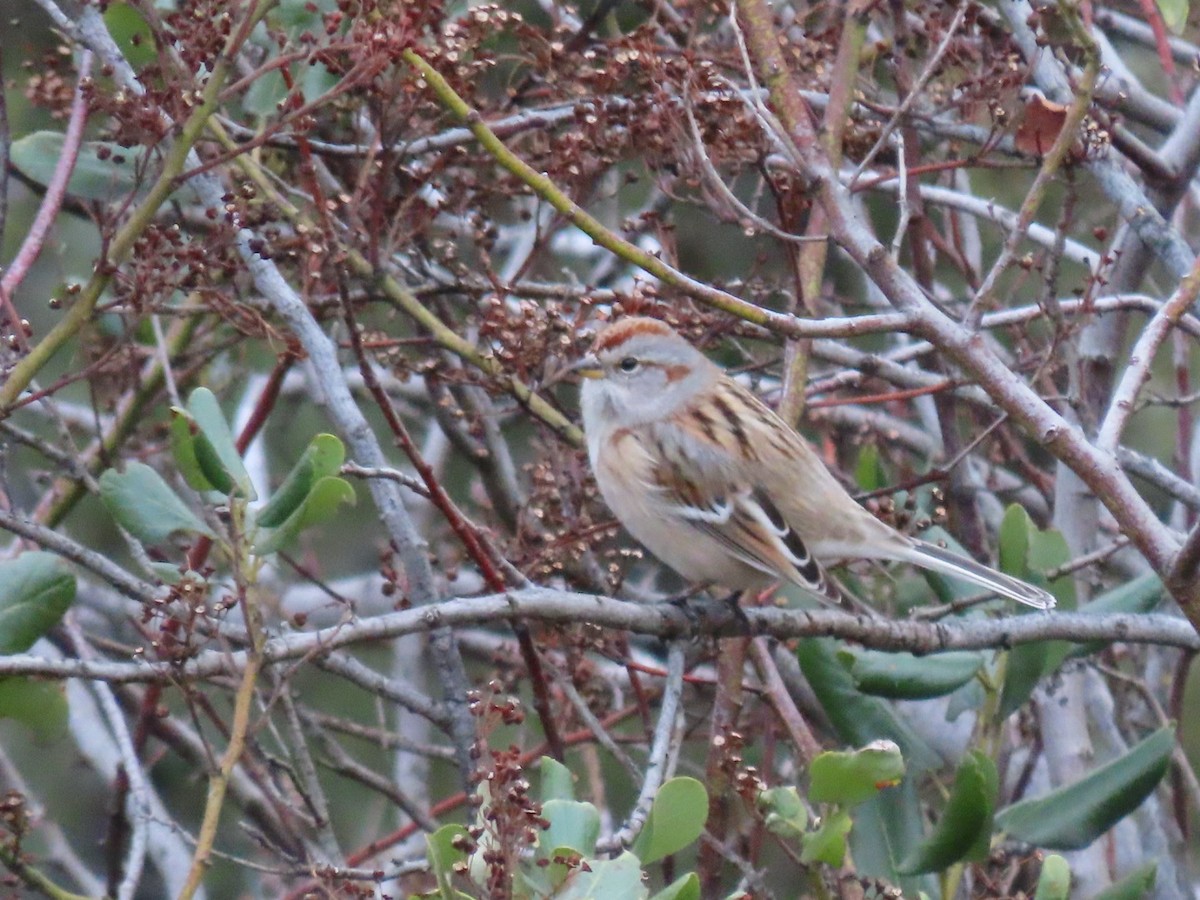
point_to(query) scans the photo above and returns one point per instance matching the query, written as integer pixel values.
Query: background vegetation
(304, 569)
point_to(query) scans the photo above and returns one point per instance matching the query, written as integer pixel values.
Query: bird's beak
(588, 367)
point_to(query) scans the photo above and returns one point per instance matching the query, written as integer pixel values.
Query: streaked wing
(742, 519)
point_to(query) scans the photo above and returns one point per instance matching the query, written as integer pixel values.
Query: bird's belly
(678, 543)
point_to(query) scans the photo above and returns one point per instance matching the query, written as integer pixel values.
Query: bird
(719, 488)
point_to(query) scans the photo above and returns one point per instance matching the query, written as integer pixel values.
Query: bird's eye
(628, 364)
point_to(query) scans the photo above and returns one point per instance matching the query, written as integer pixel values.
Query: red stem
(35, 239)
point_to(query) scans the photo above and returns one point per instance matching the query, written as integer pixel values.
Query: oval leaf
(1024, 667)
(853, 776)
(676, 819)
(39, 705)
(323, 456)
(868, 471)
(557, 781)
(783, 812)
(828, 843)
(685, 888)
(573, 826)
(1174, 13)
(131, 33)
(1071, 817)
(1014, 539)
(103, 171)
(887, 828)
(608, 879)
(220, 460)
(965, 829)
(145, 506)
(1055, 881)
(857, 718)
(444, 853)
(36, 589)
(905, 676)
(1134, 886)
(184, 432)
(320, 505)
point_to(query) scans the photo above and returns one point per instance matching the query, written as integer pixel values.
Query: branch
(1137, 373)
(662, 620)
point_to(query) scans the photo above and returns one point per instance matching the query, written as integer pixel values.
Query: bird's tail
(930, 556)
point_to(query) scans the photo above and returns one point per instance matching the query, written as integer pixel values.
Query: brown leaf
(1040, 126)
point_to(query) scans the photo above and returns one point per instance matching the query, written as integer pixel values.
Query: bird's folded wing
(748, 525)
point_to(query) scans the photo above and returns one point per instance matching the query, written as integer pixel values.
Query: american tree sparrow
(718, 487)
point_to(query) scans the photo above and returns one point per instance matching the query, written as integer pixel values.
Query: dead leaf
(1040, 125)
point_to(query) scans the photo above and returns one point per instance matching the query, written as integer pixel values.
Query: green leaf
(828, 843)
(265, 94)
(1055, 881)
(868, 472)
(323, 456)
(1041, 551)
(1024, 667)
(676, 819)
(183, 430)
(857, 718)
(36, 589)
(968, 697)
(964, 831)
(573, 826)
(557, 781)
(316, 81)
(886, 829)
(1029, 663)
(685, 888)
(444, 854)
(854, 776)
(39, 705)
(1134, 886)
(1174, 14)
(216, 451)
(905, 676)
(184, 433)
(103, 171)
(321, 504)
(166, 572)
(131, 33)
(301, 15)
(1048, 550)
(145, 506)
(783, 812)
(1015, 531)
(1071, 817)
(609, 879)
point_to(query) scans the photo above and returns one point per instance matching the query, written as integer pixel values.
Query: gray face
(641, 380)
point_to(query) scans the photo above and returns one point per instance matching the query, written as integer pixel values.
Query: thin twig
(806, 744)
(914, 94)
(660, 747)
(1137, 373)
